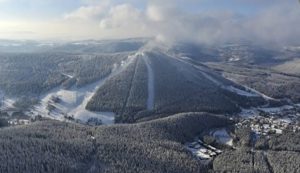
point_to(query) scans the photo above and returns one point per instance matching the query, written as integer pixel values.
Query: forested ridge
(272, 154)
(155, 146)
(33, 74)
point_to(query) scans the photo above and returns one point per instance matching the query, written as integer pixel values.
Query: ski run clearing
(59, 103)
(150, 101)
(248, 92)
(241, 92)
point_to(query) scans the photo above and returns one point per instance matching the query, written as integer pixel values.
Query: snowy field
(202, 151)
(222, 137)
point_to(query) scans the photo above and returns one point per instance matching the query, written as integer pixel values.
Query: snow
(207, 76)
(223, 137)
(68, 75)
(248, 113)
(150, 100)
(259, 93)
(81, 113)
(5, 102)
(241, 92)
(252, 112)
(248, 93)
(251, 90)
(185, 58)
(200, 152)
(213, 80)
(234, 59)
(276, 109)
(278, 131)
(284, 120)
(73, 101)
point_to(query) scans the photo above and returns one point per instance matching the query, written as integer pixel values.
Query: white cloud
(277, 24)
(90, 11)
(123, 15)
(168, 21)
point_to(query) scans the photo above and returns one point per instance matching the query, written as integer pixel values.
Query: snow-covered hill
(146, 83)
(63, 103)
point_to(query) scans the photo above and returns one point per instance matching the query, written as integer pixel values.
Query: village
(267, 121)
(262, 121)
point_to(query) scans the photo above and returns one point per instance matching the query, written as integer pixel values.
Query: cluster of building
(16, 122)
(203, 151)
(268, 121)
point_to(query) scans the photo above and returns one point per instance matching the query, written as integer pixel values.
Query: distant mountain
(87, 46)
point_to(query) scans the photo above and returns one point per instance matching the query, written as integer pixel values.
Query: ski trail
(150, 100)
(259, 93)
(210, 78)
(130, 86)
(81, 96)
(205, 74)
(67, 75)
(250, 92)
(80, 111)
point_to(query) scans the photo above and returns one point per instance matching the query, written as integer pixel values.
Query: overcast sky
(207, 21)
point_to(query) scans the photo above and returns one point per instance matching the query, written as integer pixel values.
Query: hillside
(155, 146)
(130, 86)
(173, 86)
(140, 83)
(289, 67)
(267, 81)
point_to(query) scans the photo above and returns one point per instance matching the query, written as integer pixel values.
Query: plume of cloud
(90, 11)
(173, 21)
(168, 22)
